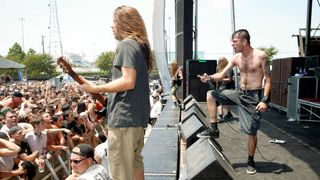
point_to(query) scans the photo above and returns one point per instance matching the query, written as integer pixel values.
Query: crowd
(37, 120)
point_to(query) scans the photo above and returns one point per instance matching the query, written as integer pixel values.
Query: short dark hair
(242, 34)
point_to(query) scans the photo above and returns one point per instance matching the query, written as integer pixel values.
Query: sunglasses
(77, 161)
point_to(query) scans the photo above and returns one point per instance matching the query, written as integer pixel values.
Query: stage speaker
(184, 35)
(190, 128)
(193, 103)
(187, 100)
(206, 161)
(194, 110)
(193, 84)
(184, 30)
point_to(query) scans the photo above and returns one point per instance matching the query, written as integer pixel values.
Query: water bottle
(41, 164)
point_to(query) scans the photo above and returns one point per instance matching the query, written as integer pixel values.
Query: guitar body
(68, 69)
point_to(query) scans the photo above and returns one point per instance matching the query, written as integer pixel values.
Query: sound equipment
(184, 34)
(198, 113)
(206, 161)
(187, 99)
(161, 154)
(190, 128)
(282, 69)
(194, 86)
(192, 103)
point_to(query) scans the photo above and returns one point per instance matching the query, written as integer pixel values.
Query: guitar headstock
(64, 64)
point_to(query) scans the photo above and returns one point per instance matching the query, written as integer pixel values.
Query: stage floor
(297, 158)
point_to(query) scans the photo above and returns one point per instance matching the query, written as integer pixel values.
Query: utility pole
(196, 29)
(22, 32)
(233, 28)
(42, 43)
(169, 41)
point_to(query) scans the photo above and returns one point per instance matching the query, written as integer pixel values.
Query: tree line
(43, 65)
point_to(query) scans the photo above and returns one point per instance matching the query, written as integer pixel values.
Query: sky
(85, 26)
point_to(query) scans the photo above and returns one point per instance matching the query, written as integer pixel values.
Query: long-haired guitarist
(128, 106)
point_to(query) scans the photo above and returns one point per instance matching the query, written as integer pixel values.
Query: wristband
(265, 99)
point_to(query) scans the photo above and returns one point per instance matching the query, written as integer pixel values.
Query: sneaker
(209, 133)
(228, 117)
(174, 108)
(251, 169)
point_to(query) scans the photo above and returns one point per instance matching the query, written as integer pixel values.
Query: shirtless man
(55, 141)
(14, 102)
(251, 98)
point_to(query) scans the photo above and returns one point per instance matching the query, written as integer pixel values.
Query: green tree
(31, 51)
(271, 51)
(16, 53)
(104, 61)
(39, 65)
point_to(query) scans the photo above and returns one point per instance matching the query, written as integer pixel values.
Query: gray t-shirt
(130, 108)
(95, 172)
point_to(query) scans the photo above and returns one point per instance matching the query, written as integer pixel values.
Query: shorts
(174, 90)
(124, 151)
(247, 100)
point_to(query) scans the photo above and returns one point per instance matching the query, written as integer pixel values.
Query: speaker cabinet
(187, 100)
(206, 161)
(193, 84)
(193, 103)
(190, 128)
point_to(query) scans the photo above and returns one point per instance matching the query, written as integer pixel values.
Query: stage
(166, 154)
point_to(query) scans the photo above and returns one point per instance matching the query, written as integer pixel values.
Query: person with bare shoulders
(14, 101)
(251, 98)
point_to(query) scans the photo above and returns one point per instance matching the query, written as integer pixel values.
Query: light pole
(169, 40)
(22, 32)
(42, 43)
(233, 27)
(94, 51)
(196, 29)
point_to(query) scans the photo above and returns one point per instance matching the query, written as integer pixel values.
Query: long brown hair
(174, 68)
(222, 63)
(130, 24)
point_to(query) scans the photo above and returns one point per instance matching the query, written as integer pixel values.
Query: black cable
(258, 150)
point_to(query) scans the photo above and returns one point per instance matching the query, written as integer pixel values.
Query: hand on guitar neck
(62, 62)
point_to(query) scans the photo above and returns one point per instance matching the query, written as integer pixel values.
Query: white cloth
(101, 151)
(95, 172)
(37, 143)
(156, 110)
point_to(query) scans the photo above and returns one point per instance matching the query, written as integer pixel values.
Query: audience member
(83, 164)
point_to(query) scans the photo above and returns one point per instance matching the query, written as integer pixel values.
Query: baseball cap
(5, 110)
(84, 150)
(14, 129)
(17, 94)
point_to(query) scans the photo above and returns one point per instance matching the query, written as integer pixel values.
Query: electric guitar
(63, 63)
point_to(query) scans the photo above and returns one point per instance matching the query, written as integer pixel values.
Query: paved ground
(297, 158)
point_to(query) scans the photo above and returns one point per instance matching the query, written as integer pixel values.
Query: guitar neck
(76, 77)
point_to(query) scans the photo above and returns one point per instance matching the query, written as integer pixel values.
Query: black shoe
(209, 133)
(251, 169)
(228, 117)
(220, 118)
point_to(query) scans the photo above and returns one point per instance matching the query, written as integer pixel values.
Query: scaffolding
(55, 44)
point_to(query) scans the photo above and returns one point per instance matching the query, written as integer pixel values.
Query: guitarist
(128, 107)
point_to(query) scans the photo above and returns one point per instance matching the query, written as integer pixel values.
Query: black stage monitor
(193, 84)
